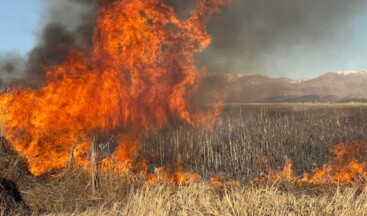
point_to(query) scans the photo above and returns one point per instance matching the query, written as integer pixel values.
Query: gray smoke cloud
(242, 35)
(66, 24)
(248, 32)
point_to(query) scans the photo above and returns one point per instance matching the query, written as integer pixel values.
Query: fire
(141, 73)
(178, 177)
(347, 167)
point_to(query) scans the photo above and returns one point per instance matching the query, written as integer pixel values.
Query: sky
(346, 52)
(18, 25)
(298, 50)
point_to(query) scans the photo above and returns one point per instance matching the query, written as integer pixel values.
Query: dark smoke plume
(67, 23)
(242, 34)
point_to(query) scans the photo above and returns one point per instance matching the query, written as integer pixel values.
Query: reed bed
(243, 135)
(231, 149)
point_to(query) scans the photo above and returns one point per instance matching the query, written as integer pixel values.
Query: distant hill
(343, 86)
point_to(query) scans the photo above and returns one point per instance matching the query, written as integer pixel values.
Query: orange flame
(178, 177)
(348, 167)
(140, 74)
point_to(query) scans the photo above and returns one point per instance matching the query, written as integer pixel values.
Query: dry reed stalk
(93, 166)
(70, 157)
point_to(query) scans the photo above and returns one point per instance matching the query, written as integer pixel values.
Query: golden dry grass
(201, 199)
(72, 195)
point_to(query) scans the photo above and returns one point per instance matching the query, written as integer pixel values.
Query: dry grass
(232, 148)
(73, 196)
(243, 134)
(201, 199)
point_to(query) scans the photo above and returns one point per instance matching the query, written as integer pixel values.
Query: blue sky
(18, 25)
(20, 22)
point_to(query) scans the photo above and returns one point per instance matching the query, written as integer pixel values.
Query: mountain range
(332, 87)
(341, 86)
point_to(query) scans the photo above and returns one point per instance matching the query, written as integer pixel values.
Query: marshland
(230, 150)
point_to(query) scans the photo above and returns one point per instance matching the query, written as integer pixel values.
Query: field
(244, 133)
(232, 150)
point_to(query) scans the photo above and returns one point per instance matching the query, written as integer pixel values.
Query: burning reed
(244, 136)
(141, 74)
(306, 145)
(124, 118)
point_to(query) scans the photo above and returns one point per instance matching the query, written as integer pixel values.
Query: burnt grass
(245, 134)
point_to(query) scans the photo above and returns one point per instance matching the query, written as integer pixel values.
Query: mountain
(341, 86)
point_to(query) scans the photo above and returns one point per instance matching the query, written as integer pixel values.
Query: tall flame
(141, 73)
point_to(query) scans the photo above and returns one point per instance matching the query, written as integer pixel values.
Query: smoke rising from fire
(139, 74)
(245, 36)
(66, 24)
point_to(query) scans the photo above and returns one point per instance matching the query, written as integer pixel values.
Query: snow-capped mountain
(352, 72)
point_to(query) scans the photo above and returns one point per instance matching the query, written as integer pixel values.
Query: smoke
(66, 24)
(243, 35)
(246, 35)
(10, 66)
